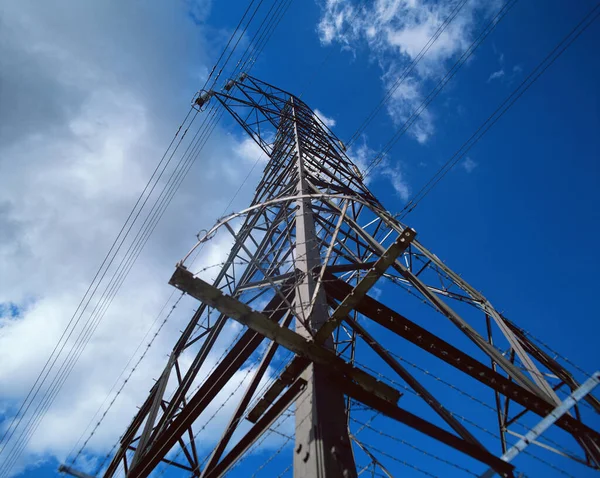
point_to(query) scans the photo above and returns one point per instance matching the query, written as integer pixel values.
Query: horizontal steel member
(231, 307)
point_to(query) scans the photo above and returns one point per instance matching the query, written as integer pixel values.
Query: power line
(407, 71)
(32, 424)
(263, 39)
(131, 372)
(508, 102)
(489, 28)
(73, 321)
(271, 27)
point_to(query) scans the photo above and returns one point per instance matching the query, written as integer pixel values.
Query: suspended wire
(414, 447)
(407, 71)
(265, 37)
(237, 42)
(465, 393)
(330, 53)
(211, 418)
(228, 43)
(198, 147)
(24, 436)
(556, 354)
(73, 321)
(508, 102)
(525, 452)
(116, 444)
(253, 44)
(127, 379)
(263, 40)
(82, 339)
(373, 449)
(80, 311)
(240, 383)
(489, 28)
(179, 174)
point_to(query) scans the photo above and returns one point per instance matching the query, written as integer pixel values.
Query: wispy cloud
(326, 120)
(496, 75)
(394, 32)
(468, 164)
(398, 181)
(85, 117)
(362, 154)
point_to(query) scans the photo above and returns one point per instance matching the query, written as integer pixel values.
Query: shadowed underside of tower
(351, 330)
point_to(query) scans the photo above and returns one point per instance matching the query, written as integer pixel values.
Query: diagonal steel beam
(414, 383)
(258, 429)
(423, 426)
(241, 351)
(241, 409)
(438, 347)
(370, 278)
(231, 307)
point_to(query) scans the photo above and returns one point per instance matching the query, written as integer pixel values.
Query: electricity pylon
(309, 260)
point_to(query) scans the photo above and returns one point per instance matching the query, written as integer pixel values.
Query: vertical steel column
(322, 446)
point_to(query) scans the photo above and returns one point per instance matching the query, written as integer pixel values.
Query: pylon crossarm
(203, 291)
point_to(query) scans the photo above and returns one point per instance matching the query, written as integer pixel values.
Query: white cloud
(90, 99)
(247, 149)
(395, 31)
(496, 75)
(362, 155)
(398, 181)
(468, 164)
(326, 120)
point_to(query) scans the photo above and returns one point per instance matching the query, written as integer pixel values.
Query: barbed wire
(526, 452)
(371, 448)
(210, 419)
(403, 442)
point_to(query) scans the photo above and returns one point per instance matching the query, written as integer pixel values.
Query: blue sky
(518, 219)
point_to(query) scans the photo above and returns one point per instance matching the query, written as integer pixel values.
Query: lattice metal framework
(309, 261)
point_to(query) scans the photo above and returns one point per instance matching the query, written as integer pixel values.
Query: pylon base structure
(308, 261)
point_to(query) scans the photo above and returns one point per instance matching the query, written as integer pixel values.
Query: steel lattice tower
(300, 277)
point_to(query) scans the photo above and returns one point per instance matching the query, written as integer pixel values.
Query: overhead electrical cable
(407, 71)
(508, 102)
(84, 302)
(489, 28)
(93, 288)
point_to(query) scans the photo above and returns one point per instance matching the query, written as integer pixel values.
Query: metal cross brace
(547, 422)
